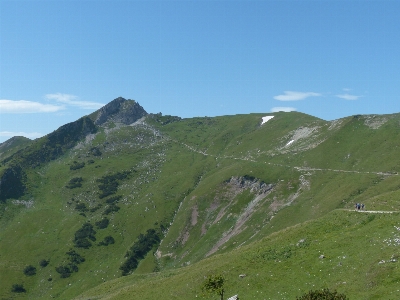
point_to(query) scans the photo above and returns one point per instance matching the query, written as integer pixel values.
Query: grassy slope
(12, 145)
(281, 266)
(172, 171)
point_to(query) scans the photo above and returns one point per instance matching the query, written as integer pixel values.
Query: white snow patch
(289, 143)
(266, 119)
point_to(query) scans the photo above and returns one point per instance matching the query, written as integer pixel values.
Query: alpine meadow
(124, 204)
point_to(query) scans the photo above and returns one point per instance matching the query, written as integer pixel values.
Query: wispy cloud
(295, 96)
(23, 106)
(73, 101)
(285, 109)
(348, 96)
(29, 135)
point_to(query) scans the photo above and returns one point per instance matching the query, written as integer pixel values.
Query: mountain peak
(119, 110)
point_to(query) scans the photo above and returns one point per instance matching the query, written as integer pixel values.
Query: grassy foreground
(354, 253)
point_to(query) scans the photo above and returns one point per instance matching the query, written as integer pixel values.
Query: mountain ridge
(182, 191)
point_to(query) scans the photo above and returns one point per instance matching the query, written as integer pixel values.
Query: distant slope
(12, 145)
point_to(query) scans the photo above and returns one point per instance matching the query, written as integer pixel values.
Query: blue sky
(60, 60)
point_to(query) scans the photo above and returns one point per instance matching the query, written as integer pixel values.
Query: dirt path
(280, 165)
(372, 211)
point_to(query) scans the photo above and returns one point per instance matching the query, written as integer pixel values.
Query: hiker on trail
(362, 206)
(355, 206)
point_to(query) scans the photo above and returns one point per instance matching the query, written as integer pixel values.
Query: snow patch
(266, 119)
(289, 143)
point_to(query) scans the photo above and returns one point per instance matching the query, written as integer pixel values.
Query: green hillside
(12, 145)
(125, 204)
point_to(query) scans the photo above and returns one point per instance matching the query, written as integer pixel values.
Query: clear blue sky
(60, 60)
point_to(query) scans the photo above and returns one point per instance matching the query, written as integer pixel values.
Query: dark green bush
(43, 263)
(81, 207)
(129, 265)
(30, 270)
(83, 235)
(74, 259)
(74, 183)
(113, 199)
(110, 209)
(324, 294)
(108, 240)
(93, 209)
(144, 243)
(64, 271)
(76, 165)
(18, 288)
(109, 183)
(95, 151)
(103, 223)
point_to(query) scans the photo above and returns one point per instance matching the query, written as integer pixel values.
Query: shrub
(30, 270)
(113, 199)
(214, 284)
(83, 234)
(43, 263)
(95, 151)
(64, 271)
(144, 243)
(93, 209)
(81, 207)
(103, 223)
(110, 209)
(76, 165)
(74, 259)
(109, 183)
(74, 183)
(108, 240)
(18, 288)
(324, 294)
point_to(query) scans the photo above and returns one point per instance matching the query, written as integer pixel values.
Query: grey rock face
(119, 110)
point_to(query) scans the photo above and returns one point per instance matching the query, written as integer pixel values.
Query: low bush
(83, 235)
(109, 183)
(324, 294)
(144, 243)
(93, 209)
(81, 207)
(18, 288)
(113, 199)
(103, 223)
(76, 165)
(43, 263)
(74, 183)
(95, 151)
(111, 208)
(74, 259)
(108, 240)
(30, 270)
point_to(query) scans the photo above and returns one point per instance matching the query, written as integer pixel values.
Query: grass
(283, 265)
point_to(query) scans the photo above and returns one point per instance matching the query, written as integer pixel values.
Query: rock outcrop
(120, 111)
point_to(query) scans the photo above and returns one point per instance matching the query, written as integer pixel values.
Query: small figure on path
(362, 206)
